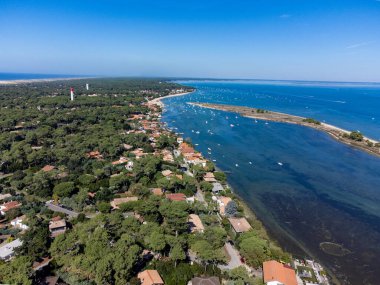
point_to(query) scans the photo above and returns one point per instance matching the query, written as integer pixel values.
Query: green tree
(156, 241)
(103, 207)
(177, 253)
(18, 271)
(64, 189)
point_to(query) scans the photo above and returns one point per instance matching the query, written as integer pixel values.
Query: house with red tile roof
(176, 197)
(150, 277)
(240, 225)
(48, 168)
(4, 208)
(275, 272)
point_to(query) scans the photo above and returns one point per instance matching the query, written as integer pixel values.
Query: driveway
(234, 258)
(56, 208)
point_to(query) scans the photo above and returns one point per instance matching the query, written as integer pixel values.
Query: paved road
(234, 257)
(57, 208)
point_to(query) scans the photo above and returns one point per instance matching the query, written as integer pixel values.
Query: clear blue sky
(282, 39)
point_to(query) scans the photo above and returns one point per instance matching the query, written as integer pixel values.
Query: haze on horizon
(263, 39)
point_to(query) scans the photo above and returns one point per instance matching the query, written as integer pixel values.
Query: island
(353, 138)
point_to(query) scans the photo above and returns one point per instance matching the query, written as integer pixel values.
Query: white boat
(250, 162)
(280, 163)
(237, 165)
(231, 125)
(197, 132)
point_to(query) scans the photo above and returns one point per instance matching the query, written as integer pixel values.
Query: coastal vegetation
(355, 135)
(102, 196)
(311, 121)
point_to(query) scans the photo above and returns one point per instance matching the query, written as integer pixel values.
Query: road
(234, 257)
(56, 208)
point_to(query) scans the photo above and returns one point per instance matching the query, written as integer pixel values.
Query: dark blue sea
(307, 188)
(28, 76)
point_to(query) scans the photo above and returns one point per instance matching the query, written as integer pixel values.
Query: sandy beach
(157, 101)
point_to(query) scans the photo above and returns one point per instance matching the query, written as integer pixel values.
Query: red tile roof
(176, 197)
(276, 271)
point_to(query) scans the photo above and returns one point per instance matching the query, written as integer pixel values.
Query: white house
(7, 250)
(18, 223)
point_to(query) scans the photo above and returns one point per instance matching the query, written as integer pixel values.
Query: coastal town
(153, 212)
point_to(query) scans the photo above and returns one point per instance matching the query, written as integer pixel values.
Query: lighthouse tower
(72, 93)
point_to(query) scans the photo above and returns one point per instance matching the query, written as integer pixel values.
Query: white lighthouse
(87, 87)
(72, 93)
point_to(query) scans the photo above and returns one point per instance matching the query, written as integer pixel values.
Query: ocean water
(324, 191)
(28, 76)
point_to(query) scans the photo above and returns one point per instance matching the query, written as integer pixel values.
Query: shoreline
(27, 81)
(249, 212)
(157, 101)
(336, 133)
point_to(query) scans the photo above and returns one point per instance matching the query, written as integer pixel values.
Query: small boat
(280, 163)
(209, 148)
(197, 132)
(231, 125)
(214, 160)
(197, 144)
(250, 162)
(237, 165)
(266, 123)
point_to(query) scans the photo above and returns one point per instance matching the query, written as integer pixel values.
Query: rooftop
(276, 271)
(7, 250)
(240, 225)
(176, 197)
(150, 277)
(205, 281)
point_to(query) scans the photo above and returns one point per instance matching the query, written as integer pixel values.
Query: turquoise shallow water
(323, 191)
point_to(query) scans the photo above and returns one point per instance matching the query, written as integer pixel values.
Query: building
(121, 160)
(222, 203)
(217, 188)
(176, 196)
(18, 223)
(157, 191)
(48, 168)
(167, 173)
(240, 225)
(195, 223)
(209, 177)
(41, 264)
(57, 226)
(94, 154)
(276, 273)
(4, 208)
(204, 281)
(115, 203)
(7, 250)
(150, 277)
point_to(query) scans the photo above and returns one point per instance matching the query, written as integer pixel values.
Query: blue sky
(306, 40)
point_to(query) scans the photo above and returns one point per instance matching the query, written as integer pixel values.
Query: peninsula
(354, 138)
